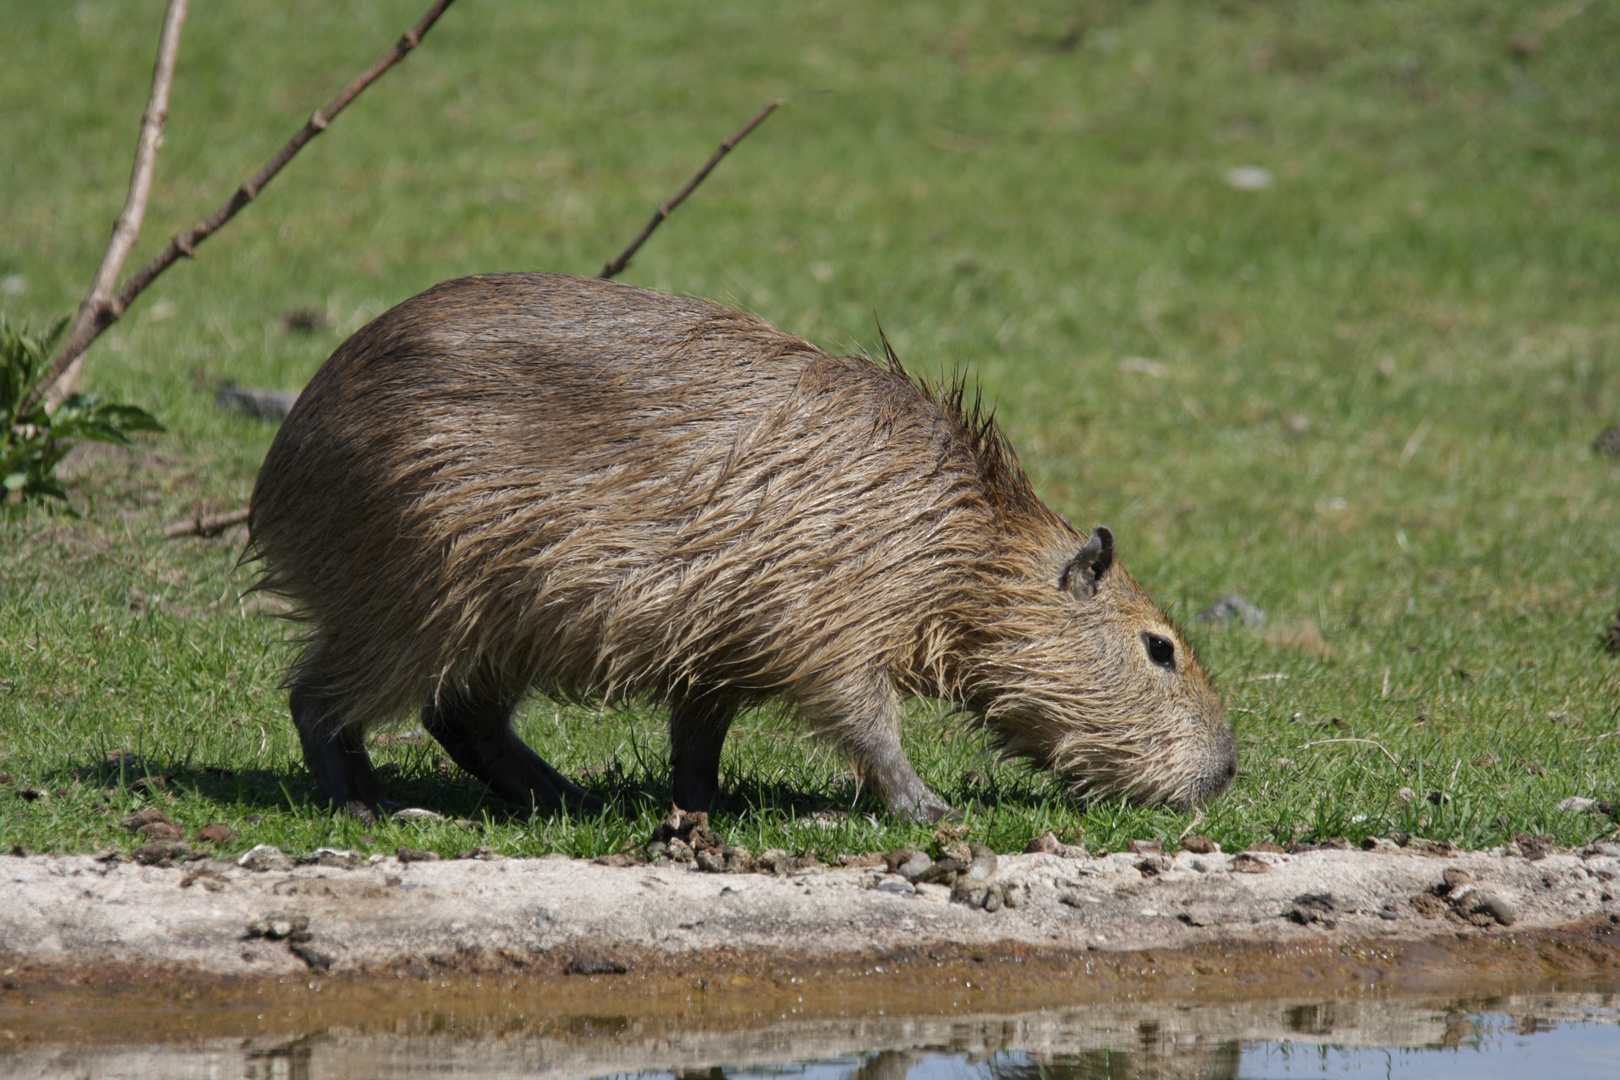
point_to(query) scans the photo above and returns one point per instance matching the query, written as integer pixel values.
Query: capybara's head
(1085, 676)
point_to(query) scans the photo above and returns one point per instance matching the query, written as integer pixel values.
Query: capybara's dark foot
(476, 732)
(336, 755)
(372, 812)
(920, 805)
(576, 800)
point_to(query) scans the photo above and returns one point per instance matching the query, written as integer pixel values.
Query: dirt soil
(559, 916)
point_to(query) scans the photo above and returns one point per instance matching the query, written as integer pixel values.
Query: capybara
(539, 481)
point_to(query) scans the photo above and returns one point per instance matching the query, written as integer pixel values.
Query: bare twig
(1198, 816)
(186, 243)
(95, 312)
(1369, 742)
(204, 525)
(617, 266)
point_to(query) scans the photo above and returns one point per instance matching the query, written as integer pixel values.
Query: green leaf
(130, 418)
(48, 485)
(33, 444)
(91, 428)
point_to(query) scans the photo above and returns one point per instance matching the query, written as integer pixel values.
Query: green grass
(1364, 397)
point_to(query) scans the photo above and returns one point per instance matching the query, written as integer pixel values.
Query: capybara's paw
(926, 809)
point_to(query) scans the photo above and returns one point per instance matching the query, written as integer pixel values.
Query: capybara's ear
(1087, 568)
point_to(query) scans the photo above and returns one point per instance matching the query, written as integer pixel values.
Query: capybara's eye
(1160, 651)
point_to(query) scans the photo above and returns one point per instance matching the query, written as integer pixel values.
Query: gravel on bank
(565, 916)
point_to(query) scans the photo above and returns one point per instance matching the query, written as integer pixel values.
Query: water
(1570, 1035)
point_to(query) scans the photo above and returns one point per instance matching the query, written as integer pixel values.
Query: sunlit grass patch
(1362, 394)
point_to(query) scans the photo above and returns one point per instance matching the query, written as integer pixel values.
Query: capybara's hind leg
(697, 730)
(476, 731)
(336, 755)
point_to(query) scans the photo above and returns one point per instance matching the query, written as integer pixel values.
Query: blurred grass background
(1359, 388)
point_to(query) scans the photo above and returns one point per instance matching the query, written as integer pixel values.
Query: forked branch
(109, 309)
(96, 311)
(615, 267)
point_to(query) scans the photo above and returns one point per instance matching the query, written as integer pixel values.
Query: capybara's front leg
(336, 754)
(872, 735)
(476, 731)
(901, 789)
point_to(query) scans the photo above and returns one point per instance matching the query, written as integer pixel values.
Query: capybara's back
(519, 481)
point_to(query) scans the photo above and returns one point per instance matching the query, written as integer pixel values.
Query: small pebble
(161, 852)
(326, 856)
(894, 883)
(214, 833)
(1049, 844)
(1232, 609)
(1494, 906)
(915, 866)
(594, 965)
(265, 857)
(139, 820)
(1249, 178)
(945, 871)
(276, 927)
(983, 866)
(410, 855)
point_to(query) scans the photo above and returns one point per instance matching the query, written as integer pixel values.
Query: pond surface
(1361, 1032)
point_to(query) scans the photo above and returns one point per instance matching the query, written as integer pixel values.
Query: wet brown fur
(519, 481)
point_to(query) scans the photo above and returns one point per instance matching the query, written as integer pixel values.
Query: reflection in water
(1216, 1061)
(289, 1062)
(1466, 1045)
(1571, 1035)
(1473, 1047)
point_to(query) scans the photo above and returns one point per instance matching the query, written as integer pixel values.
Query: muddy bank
(563, 917)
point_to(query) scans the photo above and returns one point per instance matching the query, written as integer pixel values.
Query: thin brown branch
(204, 525)
(617, 266)
(63, 378)
(185, 244)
